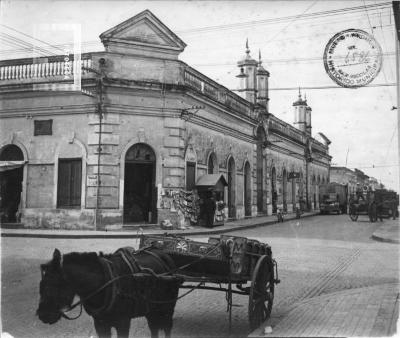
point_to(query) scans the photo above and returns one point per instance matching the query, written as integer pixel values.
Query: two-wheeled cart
(380, 203)
(224, 262)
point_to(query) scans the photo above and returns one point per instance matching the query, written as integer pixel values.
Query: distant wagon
(380, 203)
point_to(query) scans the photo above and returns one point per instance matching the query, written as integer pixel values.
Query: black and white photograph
(194, 169)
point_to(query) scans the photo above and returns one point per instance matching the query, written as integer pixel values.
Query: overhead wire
(22, 43)
(201, 30)
(372, 32)
(31, 37)
(322, 14)
(291, 22)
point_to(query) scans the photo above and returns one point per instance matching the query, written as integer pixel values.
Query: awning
(211, 180)
(10, 165)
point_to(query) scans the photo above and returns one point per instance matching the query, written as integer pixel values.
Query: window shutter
(69, 183)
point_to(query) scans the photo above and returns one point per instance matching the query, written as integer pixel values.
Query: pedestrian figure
(209, 207)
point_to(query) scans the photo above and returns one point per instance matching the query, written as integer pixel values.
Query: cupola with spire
(262, 76)
(308, 117)
(300, 108)
(247, 76)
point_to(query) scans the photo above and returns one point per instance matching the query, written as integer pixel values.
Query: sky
(360, 122)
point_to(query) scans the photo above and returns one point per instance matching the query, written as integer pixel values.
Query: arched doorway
(231, 188)
(11, 177)
(274, 193)
(212, 165)
(314, 188)
(284, 190)
(247, 190)
(301, 193)
(139, 187)
(261, 138)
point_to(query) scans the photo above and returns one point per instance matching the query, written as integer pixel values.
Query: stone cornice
(47, 110)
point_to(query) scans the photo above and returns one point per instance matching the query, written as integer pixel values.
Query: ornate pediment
(143, 34)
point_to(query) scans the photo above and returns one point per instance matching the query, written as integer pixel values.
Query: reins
(81, 301)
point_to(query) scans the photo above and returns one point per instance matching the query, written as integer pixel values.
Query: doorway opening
(284, 190)
(247, 190)
(231, 188)
(11, 177)
(274, 191)
(139, 187)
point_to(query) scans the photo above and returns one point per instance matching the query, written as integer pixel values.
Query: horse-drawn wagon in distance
(377, 204)
(146, 282)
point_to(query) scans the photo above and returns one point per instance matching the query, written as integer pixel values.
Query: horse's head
(55, 292)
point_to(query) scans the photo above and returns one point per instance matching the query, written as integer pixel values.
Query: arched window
(247, 189)
(261, 138)
(11, 152)
(212, 166)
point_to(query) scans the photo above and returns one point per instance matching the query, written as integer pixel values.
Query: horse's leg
(103, 328)
(152, 321)
(168, 330)
(122, 326)
(166, 323)
(160, 321)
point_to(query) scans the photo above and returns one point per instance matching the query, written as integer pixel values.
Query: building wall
(162, 103)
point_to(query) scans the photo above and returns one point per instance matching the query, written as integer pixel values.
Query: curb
(106, 234)
(385, 239)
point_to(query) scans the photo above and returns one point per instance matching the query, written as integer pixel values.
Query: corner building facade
(150, 127)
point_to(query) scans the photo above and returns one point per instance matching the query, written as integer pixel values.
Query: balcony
(47, 69)
(286, 130)
(202, 84)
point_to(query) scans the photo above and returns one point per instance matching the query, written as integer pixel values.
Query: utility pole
(396, 14)
(99, 110)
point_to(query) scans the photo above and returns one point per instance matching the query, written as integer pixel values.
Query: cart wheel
(372, 212)
(261, 292)
(353, 213)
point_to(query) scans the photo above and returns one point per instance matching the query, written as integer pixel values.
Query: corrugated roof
(210, 180)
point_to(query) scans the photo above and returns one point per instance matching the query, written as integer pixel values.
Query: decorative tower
(308, 117)
(247, 76)
(262, 76)
(300, 108)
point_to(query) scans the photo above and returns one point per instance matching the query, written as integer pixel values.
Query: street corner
(388, 232)
(344, 313)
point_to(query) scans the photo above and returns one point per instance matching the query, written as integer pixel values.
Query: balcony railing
(41, 69)
(219, 93)
(286, 129)
(319, 146)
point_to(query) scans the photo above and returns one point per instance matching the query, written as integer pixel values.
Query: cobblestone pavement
(317, 256)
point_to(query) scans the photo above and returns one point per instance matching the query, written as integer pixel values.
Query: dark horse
(112, 289)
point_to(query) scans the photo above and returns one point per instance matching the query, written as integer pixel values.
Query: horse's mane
(89, 258)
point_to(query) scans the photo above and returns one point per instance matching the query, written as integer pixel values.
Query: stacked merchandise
(219, 217)
(187, 202)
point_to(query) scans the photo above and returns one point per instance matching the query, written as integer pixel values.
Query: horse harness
(114, 277)
(127, 255)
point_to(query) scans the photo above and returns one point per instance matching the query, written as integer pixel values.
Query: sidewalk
(364, 312)
(388, 233)
(229, 226)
